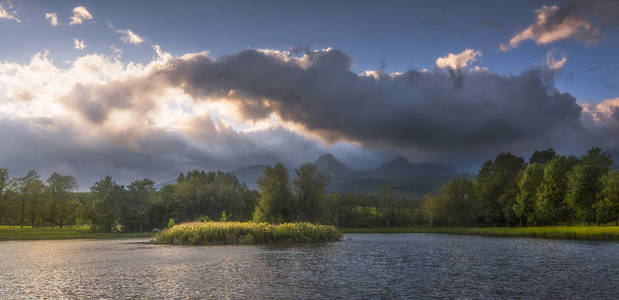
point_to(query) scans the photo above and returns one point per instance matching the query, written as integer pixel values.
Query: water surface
(360, 266)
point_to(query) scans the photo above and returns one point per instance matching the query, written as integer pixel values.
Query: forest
(548, 189)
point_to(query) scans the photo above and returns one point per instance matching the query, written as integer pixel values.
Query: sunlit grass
(28, 227)
(54, 233)
(209, 233)
(558, 232)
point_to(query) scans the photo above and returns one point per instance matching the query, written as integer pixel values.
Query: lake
(360, 266)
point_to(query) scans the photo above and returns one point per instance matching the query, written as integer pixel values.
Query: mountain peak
(331, 166)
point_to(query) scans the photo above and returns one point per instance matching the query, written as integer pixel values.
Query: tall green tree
(550, 205)
(527, 193)
(584, 183)
(4, 194)
(134, 209)
(107, 196)
(494, 187)
(60, 187)
(460, 196)
(30, 189)
(485, 196)
(434, 208)
(607, 204)
(310, 188)
(277, 203)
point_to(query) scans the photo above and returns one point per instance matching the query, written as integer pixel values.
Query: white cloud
(130, 37)
(79, 45)
(80, 14)
(603, 112)
(555, 59)
(458, 61)
(8, 14)
(53, 18)
(551, 26)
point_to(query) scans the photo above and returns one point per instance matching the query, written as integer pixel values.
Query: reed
(217, 233)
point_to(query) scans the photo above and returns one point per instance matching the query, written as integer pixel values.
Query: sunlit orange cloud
(549, 28)
(603, 111)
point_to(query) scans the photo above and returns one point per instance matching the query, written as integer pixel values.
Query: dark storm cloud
(96, 101)
(418, 112)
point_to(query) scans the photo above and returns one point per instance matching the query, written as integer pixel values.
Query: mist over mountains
(406, 178)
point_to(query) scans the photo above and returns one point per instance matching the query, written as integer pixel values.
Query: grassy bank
(212, 233)
(27, 233)
(555, 232)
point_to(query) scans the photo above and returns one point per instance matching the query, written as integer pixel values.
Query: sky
(152, 88)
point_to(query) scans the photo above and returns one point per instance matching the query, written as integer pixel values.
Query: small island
(246, 233)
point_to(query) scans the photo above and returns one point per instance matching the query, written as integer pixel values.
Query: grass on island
(68, 232)
(555, 232)
(214, 233)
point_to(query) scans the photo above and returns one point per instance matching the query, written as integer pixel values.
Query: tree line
(548, 190)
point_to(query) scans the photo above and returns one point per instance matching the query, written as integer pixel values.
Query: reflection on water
(361, 266)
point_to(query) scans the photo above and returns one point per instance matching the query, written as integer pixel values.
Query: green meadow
(69, 232)
(204, 233)
(554, 232)
(216, 233)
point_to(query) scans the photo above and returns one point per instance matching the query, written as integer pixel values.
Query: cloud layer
(195, 111)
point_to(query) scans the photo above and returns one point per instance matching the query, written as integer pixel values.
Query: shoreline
(594, 233)
(64, 234)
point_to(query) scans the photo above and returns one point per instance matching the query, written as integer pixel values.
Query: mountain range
(405, 178)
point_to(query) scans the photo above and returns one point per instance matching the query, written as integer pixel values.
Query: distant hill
(405, 178)
(402, 168)
(249, 175)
